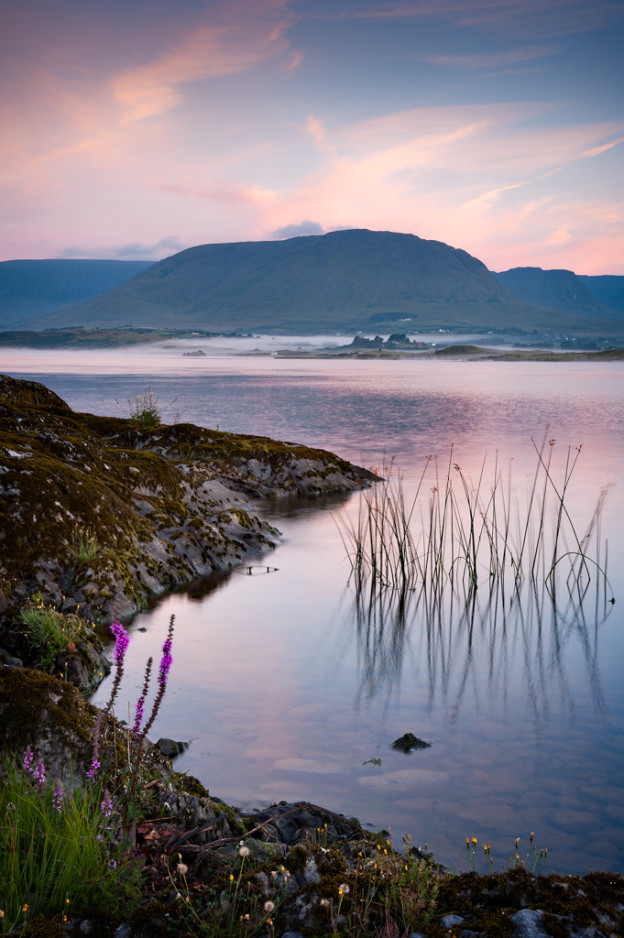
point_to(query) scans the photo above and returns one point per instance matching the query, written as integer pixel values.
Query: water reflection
(266, 670)
(482, 644)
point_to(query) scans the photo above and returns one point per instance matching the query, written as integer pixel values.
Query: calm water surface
(288, 688)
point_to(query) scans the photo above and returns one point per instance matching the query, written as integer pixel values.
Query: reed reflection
(487, 586)
(481, 644)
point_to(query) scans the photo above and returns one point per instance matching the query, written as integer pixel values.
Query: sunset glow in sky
(135, 129)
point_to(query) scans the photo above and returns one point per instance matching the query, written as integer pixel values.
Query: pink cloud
(296, 59)
(226, 193)
(228, 47)
(491, 198)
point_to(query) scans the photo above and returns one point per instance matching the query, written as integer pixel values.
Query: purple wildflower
(138, 714)
(57, 798)
(112, 864)
(39, 773)
(165, 663)
(28, 758)
(122, 640)
(106, 806)
(94, 767)
(140, 704)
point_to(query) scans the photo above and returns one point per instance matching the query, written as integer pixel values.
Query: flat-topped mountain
(342, 281)
(355, 279)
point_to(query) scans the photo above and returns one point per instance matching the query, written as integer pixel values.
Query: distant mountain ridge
(342, 281)
(608, 289)
(564, 290)
(30, 289)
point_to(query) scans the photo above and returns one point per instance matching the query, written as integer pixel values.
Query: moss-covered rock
(47, 714)
(102, 514)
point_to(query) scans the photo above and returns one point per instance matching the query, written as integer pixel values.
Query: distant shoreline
(465, 353)
(125, 338)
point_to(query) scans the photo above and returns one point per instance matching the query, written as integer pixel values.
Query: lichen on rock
(103, 515)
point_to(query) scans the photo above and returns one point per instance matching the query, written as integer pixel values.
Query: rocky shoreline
(102, 515)
(314, 869)
(99, 517)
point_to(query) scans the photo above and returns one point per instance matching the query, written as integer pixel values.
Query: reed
(453, 532)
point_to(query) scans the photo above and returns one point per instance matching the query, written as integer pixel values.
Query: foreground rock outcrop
(106, 513)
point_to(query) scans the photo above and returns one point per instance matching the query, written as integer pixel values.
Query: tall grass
(61, 848)
(70, 846)
(453, 532)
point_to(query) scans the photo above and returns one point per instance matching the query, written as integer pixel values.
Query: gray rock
(82, 665)
(408, 742)
(528, 924)
(10, 660)
(124, 931)
(311, 873)
(171, 748)
(447, 921)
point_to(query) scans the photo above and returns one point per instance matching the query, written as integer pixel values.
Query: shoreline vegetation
(102, 515)
(528, 346)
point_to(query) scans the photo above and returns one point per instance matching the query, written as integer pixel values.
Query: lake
(292, 686)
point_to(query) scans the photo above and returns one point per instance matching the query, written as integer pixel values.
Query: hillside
(30, 289)
(344, 280)
(608, 289)
(339, 282)
(563, 290)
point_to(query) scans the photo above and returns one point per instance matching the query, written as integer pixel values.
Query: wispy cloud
(494, 59)
(296, 59)
(545, 17)
(209, 52)
(603, 148)
(225, 192)
(295, 231)
(458, 175)
(131, 251)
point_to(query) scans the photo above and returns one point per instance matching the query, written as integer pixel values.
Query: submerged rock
(409, 742)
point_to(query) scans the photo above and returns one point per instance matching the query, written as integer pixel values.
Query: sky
(135, 129)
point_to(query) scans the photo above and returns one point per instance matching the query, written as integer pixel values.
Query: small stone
(409, 742)
(447, 921)
(528, 923)
(171, 748)
(311, 873)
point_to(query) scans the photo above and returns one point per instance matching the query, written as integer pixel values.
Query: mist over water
(290, 684)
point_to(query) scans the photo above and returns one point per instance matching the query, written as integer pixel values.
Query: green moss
(42, 927)
(108, 498)
(23, 693)
(189, 784)
(158, 920)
